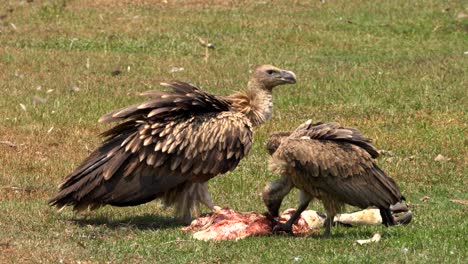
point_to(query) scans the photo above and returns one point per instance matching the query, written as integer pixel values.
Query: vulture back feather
(185, 98)
(333, 131)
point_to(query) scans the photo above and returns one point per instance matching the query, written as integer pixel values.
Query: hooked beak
(288, 76)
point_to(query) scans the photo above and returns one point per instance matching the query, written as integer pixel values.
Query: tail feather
(104, 179)
(384, 188)
(76, 188)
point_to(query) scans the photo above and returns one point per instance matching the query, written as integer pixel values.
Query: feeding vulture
(331, 163)
(170, 146)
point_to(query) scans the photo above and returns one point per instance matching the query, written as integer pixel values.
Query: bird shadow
(321, 237)
(318, 236)
(141, 222)
(337, 233)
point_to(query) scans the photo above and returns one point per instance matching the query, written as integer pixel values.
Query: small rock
(375, 238)
(74, 88)
(116, 72)
(38, 100)
(384, 152)
(425, 199)
(206, 43)
(176, 69)
(8, 143)
(19, 75)
(464, 202)
(462, 15)
(441, 158)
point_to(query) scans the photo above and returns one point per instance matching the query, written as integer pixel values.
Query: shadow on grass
(142, 222)
(155, 222)
(336, 235)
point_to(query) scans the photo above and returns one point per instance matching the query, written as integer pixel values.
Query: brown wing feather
(191, 138)
(184, 98)
(334, 131)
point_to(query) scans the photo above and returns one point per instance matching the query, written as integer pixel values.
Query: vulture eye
(270, 72)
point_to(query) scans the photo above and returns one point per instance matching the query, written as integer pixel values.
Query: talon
(271, 218)
(398, 208)
(404, 219)
(187, 219)
(283, 228)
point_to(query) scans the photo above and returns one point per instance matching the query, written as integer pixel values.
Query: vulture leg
(205, 198)
(187, 218)
(328, 225)
(332, 208)
(194, 194)
(387, 217)
(304, 200)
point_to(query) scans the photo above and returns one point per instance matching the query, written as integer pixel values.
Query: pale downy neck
(256, 103)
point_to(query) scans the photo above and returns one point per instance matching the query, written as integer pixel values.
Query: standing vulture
(170, 146)
(333, 164)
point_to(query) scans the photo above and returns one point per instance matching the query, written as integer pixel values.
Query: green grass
(394, 69)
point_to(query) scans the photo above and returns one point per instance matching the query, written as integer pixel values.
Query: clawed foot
(278, 227)
(401, 219)
(187, 219)
(404, 219)
(271, 218)
(398, 208)
(283, 228)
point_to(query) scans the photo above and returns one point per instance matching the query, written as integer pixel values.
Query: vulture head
(268, 76)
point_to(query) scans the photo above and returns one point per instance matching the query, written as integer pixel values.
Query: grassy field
(397, 70)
